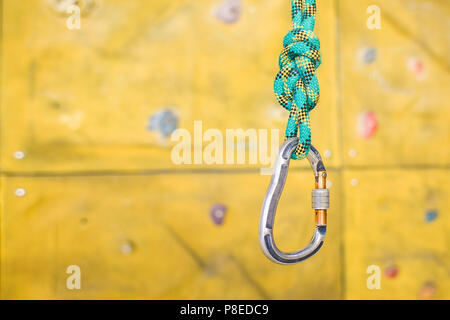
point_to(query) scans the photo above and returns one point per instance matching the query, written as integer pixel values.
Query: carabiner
(320, 203)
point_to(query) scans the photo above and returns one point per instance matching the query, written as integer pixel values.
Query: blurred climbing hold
(430, 216)
(61, 6)
(217, 213)
(368, 55)
(19, 155)
(428, 290)
(354, 182)
(229, 11)
(367, 124)
(352, 153)
(417, 67)
(83, 221)
(391, 271)
(165, 122)
(127, 247)
(20, 192)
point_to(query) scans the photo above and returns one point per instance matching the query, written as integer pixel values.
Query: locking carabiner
(320, 203)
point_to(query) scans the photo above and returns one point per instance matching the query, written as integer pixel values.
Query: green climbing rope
(296, 86)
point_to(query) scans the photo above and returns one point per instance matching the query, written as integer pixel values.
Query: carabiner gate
(320, 203)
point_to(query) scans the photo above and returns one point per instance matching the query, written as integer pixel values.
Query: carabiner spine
(275, 189)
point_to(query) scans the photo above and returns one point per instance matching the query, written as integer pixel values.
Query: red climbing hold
(391, 272)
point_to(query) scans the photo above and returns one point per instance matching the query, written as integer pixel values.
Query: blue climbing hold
(430, 216)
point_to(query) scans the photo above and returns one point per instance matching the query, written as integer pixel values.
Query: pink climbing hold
(367, 124)
(416, 66)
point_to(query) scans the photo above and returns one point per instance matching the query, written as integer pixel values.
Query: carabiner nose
(320, 203)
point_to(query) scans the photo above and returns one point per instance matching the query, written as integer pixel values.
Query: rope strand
(296, 85)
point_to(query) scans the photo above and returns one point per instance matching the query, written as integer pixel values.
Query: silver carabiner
(320, 203)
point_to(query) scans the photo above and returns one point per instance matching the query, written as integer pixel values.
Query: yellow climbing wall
(87, 177)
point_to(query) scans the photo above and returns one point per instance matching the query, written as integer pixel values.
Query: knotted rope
(296, 86)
